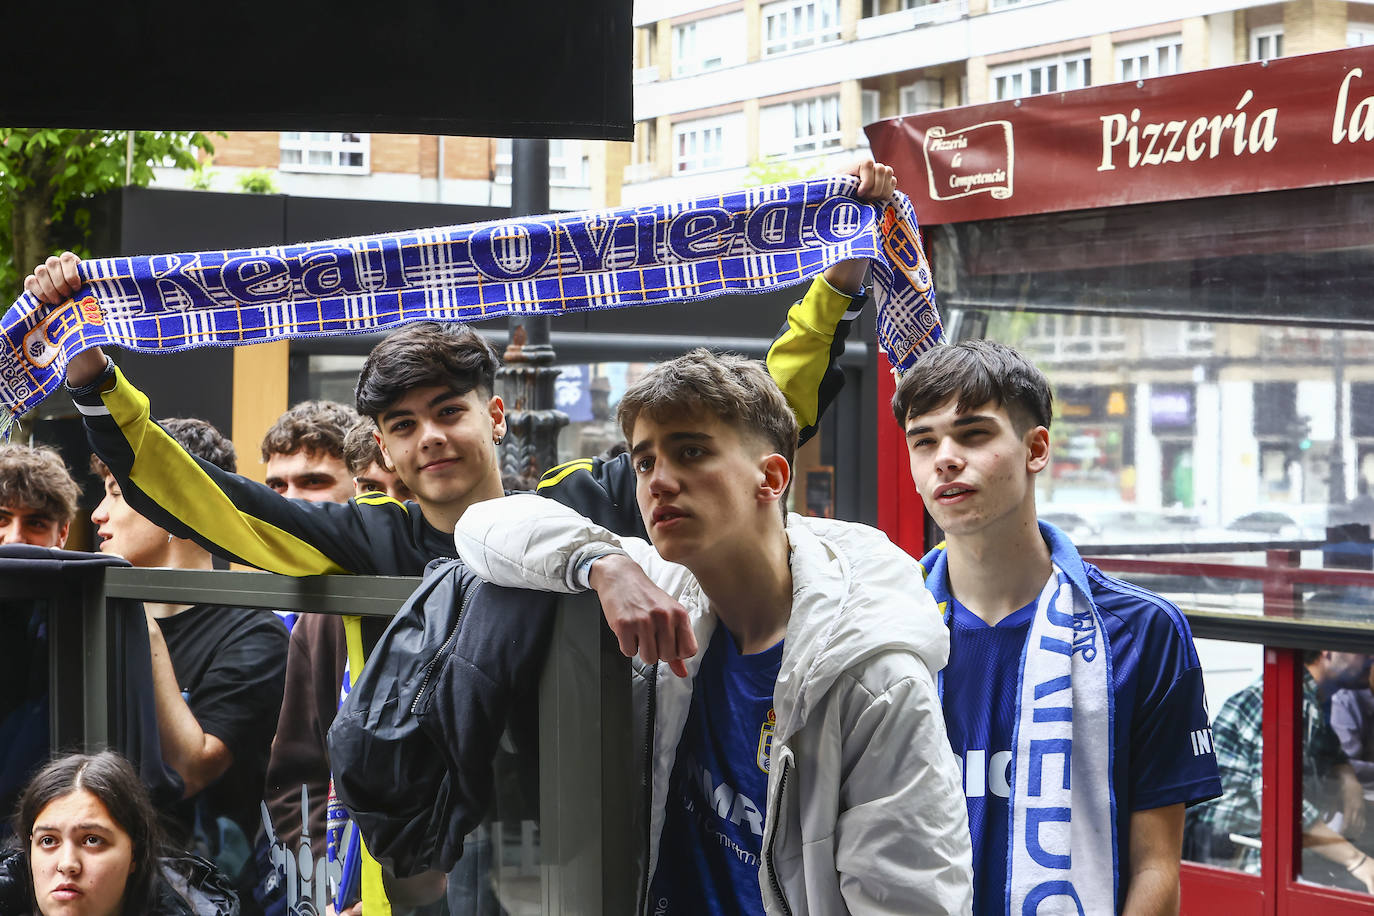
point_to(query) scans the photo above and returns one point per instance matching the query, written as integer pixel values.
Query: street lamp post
(526, 381)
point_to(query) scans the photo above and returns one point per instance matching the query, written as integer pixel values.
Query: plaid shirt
(1237, 737)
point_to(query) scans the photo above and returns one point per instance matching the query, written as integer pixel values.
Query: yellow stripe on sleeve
(373, 890)
(171, 477)
(555, 477)
(798, 359)
(380, 499)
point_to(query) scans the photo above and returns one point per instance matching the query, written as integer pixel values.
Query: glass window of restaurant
(1212, 360)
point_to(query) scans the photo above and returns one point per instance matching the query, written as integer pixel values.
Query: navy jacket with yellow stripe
(250, 523)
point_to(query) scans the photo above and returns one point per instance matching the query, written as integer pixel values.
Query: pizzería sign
(1290, 123)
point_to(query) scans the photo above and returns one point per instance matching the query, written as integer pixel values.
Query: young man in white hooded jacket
(800, 760)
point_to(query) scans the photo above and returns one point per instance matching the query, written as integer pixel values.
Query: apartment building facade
(465, 171)
(785, 86)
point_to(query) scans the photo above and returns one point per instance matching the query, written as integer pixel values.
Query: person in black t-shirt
(217, 677)
(38, 500)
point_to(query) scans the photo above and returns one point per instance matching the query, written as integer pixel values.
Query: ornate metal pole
(526, 382)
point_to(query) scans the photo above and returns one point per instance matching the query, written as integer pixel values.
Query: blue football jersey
(708, 859)
(1159, 707)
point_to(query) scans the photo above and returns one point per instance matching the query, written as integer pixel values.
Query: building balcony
(914, 18)
(928, 36)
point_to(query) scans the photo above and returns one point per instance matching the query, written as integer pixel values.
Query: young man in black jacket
(430, 390)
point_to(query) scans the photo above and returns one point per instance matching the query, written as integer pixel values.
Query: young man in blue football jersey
(1070, 697)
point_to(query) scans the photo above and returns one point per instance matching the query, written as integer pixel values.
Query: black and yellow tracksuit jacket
(250, 523)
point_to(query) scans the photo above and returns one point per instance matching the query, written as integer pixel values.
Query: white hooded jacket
(865, 812)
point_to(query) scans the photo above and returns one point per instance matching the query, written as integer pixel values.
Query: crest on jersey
(766, 741)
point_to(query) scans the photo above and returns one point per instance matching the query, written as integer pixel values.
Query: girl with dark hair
(89, 844)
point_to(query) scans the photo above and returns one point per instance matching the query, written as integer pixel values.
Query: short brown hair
(424, 354)
(198, 437)
(733, 388)
(360, 448)
(976, 372)
(34, 476)
(317, 427)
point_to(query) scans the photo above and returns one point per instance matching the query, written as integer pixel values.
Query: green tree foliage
(777, 170)
(258, 181)
(47, 176)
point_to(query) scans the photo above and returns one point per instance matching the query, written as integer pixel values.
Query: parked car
(1295, 522)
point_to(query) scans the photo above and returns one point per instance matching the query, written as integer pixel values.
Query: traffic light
(1299, 435)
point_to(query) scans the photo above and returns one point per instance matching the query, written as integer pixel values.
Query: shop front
(1189, 260)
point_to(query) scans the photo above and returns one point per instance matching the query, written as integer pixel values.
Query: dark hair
(317, 427)
(34, 477)
(203, 440)
(360, 446)
(975, 372)
(110, 778)
(424, 354)
(735, 389)
(198, 437)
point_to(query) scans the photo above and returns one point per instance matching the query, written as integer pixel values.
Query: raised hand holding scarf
(745, 241)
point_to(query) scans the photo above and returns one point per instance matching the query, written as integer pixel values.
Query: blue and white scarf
(744, 241)
(1062, 852)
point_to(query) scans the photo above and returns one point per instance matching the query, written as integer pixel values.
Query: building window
(698, 146)
(1066, 338)
(1043, 74)
(816, 124)
(1358, 34)
(303, 151)
(795, 24)
(870, 105)
(1267, 43)
(1141, 60)
(708, 44)
(567, 164)
(650, 46)
(920, 97)
(646, 141)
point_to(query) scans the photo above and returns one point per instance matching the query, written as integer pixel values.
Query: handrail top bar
(1283, 632)
(382, 595)
(338, 594)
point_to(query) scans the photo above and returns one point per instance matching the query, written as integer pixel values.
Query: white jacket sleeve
(529, 541)
(902, 839)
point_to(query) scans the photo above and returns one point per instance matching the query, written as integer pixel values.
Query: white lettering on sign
(1360, 126)
(964, 182)
(944, 143)
(1157, 143)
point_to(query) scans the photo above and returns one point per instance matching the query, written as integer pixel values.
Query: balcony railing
(913, 18)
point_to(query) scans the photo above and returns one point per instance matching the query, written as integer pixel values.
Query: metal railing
(587, 842)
